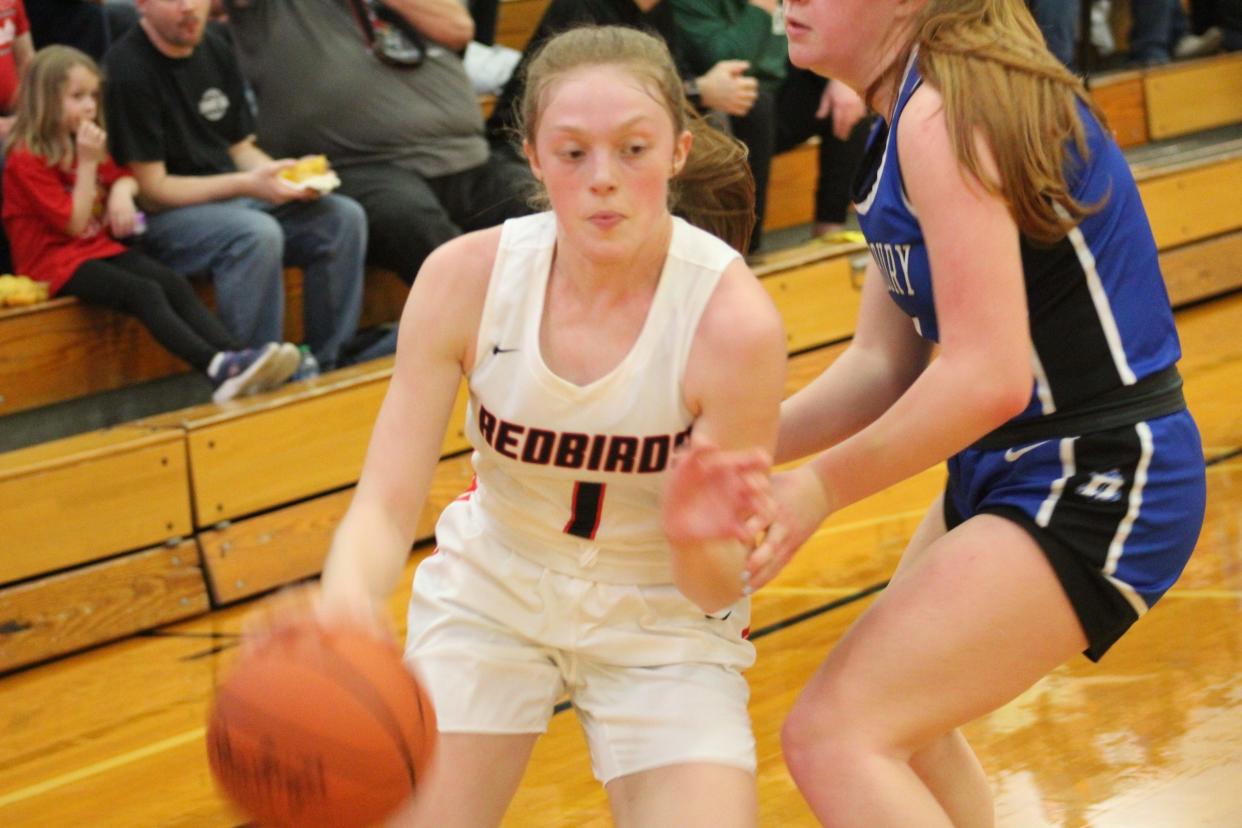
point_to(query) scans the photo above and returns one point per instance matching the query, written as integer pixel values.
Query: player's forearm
(951, 405)
(367, 555)
(852, 393)
(710, 574)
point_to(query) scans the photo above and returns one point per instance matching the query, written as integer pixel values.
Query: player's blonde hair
(37, 125)
(715, 189)
(988, 60)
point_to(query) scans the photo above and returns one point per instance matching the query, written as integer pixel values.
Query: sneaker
(1102, 29)
(288, 358)
(239, 373)
(1193, 46)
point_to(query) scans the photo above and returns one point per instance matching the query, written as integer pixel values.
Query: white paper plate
(324, 183)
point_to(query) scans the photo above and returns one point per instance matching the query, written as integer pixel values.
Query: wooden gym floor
(1151, 737)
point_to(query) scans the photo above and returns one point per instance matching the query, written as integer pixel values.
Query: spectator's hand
(92, 143)
(727, 89)
(122, 214)
(801, 506)
(768, 6)
(267, 185)
(844, 106)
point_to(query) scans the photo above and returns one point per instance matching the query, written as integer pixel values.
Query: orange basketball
(320, 727)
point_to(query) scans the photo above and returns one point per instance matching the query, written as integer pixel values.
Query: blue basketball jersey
(1104, 467)
(1099, 313)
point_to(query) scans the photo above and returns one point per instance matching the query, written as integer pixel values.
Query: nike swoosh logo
(496, 349)
(1013, 454)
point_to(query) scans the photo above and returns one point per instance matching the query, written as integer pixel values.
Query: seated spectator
(16, 50)
(179, 119)
(405, 136)
(1058, 21)
(1222, 15)
(793, 104)
(66, 204)
(1160, 32)
(723, 87)
(89, 25)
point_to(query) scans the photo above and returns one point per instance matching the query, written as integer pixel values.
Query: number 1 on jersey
(587, 506)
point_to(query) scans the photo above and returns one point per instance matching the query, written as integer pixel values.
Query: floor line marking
(97, 768)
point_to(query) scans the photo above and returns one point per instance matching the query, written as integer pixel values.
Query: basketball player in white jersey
(593, 338)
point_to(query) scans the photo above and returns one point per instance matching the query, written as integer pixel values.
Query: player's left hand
(712, 494)
(801, 506)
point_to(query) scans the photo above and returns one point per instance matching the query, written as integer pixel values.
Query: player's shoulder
(741, 314)
(464, 260)
(922, 118)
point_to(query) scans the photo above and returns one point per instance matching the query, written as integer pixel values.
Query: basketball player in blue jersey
(592, 338)
(1004, 226)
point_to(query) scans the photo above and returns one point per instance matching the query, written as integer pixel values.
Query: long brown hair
(988, 60)
(714, 190)
(37, 125)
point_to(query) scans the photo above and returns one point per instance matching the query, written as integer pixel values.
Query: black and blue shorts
(1117, 512)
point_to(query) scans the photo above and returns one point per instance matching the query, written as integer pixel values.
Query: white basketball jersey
(569, 475)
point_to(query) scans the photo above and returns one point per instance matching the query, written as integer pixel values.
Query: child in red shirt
(65, 205)
(16, 50)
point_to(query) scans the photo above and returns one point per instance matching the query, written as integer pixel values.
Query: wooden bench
(1161, 102)
(63, 348)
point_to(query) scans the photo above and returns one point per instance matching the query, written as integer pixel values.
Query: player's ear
(681, 151)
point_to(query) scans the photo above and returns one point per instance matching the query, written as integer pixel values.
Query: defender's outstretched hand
(801, 506)
(713, 494)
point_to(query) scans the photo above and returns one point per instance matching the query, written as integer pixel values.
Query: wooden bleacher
(115, 531)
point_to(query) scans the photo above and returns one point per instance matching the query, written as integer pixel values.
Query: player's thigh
(978, 618)
(471, 781)
(930, 529)
(692, 794)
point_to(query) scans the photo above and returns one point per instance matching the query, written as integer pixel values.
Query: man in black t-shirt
(178, 117)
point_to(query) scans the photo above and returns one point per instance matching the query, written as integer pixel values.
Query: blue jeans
(1156, 25)
(244, 244)
(1058, 20)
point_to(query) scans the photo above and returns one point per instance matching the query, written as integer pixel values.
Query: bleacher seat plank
(61, 613)
(286, 545)
(287, 445)
(818, 301)
(1122, 99)
(791, 187)
(84, 498)
(1190, 204)
(63, 348)
(383, 299)
(1194, 96)
(516, 21)
(1203, 269)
